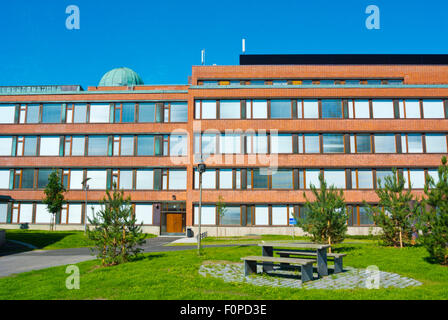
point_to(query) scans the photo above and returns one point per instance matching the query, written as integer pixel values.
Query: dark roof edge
(344, 59)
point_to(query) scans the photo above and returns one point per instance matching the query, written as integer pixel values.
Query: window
(145, 180)
(361, 109)
(24, 179)
(42, 178)
(331, 109)
(7, 114)
(4, 179)
(32, 113)
(434, 174)
(435, 143)
(74, 213)
(260, 109)
(257, 143)
(98, 145)
(128, 113)
(146, 112)
(260, 179)
(5, 146)
(125, 179)
(230, 143)
(76, 179)
(178, 145)
(433, 109)
(208, 144)
(364, 216)
(178, 112)
(281, 109)
(230, 109)
(261, 215)
(312, 178)
(49, 146)
(279, 215)
(177, 180)
(51, 113)
(30, 148)
(383, 109)
(208, 215)
(145, 145)
(74, 146)
(410, 109)
(335, 178)
(232, 216)
(416, 177)
(282, 179)
(99, 113)
(311, 143)
(143, 214)
(333, 143)
(310, 109)
(126, 146)
(3, 213)
(26, 213)
(208, 179)
(97, 179)
(362, 179)
(384, 143)
(208, 109)
(281, 143)
(225, 179)
(361, 143)
(80, 113)
(412, 143)
(381, 177)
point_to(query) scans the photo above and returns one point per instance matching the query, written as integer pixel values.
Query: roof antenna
(244, 46)
(203, 56)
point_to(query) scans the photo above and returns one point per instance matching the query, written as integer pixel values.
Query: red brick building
(266, 128)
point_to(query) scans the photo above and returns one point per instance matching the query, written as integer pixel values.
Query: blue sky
(161, 40)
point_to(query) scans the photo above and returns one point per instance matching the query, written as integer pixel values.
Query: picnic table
(320, 252)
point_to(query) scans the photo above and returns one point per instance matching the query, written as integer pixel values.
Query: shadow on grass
(12, 248)
(39, 239)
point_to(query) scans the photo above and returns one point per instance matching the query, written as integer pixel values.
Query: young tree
(54, 196)
(396, 211)
(326, 217)
(434, 218)
(115, 231)
(221, 208)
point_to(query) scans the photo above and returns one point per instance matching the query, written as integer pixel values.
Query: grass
(52, 240)
(174, 275)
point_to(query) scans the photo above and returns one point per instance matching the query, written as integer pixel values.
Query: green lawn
(51, 240)
(174, 275)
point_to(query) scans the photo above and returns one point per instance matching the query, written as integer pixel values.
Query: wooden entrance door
(174, 223)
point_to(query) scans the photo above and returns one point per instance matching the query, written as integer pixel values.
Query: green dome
(121, 77)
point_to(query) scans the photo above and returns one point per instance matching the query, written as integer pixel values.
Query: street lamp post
(86, 187)
(201, 169)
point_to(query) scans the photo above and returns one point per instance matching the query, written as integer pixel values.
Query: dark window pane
(27, 178)
(333, 143)
(364, 217)
(179, 112)
(42, 179)
(30, 146)
(146, 112)
(282, 179)
(231, 216)
(331, 109)
(363, 143)
(98, 145)
(51, 113)
(128, 112)
(280, 109)
(145, 145)
(260, 179)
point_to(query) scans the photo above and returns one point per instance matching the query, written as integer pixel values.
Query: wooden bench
(338, 266)
(306, 265)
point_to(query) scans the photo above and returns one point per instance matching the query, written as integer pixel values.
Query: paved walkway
(41, 259)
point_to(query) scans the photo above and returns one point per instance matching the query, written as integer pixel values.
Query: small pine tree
(434, 218)
(396, 211)
(115, 231)
(326, 217)
(54, 196)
